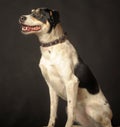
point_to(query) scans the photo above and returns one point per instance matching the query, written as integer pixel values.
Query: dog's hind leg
(82, 118)
(100, 114)
(106, 123)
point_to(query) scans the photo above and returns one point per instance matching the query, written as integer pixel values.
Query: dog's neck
(56, 33)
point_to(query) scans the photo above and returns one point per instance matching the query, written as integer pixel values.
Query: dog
(65, 73)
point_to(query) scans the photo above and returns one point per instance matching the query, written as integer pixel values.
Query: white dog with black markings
(66, 75)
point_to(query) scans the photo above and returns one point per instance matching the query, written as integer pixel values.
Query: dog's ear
(52, 16)
(55, 17)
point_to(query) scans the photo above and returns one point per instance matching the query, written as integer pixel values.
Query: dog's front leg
(72, 90)
(53, 107)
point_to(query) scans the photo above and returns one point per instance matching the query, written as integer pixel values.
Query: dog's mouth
(26, 28)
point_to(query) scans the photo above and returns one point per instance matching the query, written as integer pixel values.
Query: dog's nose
(22, 18)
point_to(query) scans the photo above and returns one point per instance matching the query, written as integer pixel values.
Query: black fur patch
(46, 14)
(87, 79)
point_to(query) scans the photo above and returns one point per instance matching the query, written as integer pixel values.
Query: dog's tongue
(30, 28)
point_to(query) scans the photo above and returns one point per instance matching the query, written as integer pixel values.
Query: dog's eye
(41, 16)
(35, 15)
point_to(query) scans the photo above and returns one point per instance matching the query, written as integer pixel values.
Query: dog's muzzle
(28, 28)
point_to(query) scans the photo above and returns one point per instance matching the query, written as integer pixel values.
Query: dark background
(93, 26)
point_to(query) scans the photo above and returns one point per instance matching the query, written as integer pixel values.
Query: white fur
(57, 65)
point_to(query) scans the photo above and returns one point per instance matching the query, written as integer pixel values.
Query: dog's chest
(56, 65)
(51, 75)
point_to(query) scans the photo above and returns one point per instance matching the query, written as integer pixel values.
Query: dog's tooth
(30, 28)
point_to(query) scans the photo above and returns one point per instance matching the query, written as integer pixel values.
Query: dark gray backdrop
(93, 28)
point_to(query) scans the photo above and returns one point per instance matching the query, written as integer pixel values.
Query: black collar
(57, 41)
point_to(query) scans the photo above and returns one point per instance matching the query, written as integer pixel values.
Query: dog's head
(41, 20)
